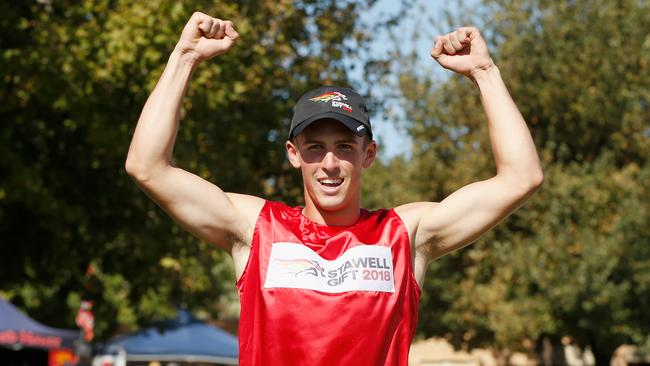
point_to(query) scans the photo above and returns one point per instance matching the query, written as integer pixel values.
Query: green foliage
(574, 260)
(75, 76)
(590, 61)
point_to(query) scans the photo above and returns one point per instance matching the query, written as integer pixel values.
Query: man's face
(331, 158)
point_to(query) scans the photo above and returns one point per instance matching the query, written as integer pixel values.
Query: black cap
(342, 104)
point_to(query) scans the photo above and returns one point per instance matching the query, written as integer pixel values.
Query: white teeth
(331, 181)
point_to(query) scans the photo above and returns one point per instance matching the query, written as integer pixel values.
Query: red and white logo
(361, 268)
(335, 98)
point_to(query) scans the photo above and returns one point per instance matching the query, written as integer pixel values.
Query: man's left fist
(463, 51)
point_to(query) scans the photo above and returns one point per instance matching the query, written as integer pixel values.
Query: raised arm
(468, 213)
(203, 209)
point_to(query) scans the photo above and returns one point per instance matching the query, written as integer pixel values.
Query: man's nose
(330, 161)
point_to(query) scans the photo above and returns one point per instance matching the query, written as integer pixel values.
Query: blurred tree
(75, 76)
(575, 260)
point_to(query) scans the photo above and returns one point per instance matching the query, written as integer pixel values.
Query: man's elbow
(132, 168)
(524, 183)
(136, 169)
(533, 180)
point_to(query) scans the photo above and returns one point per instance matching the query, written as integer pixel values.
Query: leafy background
(575, 260)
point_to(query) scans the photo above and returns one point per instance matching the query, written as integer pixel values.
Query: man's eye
(314, 147)
(345, 147)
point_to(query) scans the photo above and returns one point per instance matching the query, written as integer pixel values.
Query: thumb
(437, 52)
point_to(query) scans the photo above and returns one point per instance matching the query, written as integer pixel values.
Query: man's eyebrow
(345, 140)
(311, 141)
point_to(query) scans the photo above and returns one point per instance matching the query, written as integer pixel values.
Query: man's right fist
(205, 37)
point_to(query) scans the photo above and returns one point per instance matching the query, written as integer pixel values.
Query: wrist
(485, 74)
(185, 57)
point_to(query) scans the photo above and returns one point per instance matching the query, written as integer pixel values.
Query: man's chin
(330, 207)
(330, 204)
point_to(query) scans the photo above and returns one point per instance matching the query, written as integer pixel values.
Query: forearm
(153, 140)
(512, 145)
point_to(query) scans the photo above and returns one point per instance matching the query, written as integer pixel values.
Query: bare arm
(202, 208)
(469, 212)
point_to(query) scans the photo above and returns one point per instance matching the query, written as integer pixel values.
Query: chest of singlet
(319, 295)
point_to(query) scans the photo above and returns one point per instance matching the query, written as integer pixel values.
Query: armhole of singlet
(411, 275)
(239, 284)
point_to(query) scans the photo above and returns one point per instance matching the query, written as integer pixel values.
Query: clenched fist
(205, 37)
(463, 51)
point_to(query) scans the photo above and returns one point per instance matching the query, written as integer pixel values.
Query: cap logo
(335, 98)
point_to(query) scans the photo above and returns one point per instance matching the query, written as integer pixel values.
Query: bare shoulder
(411, 213)
(248, 206)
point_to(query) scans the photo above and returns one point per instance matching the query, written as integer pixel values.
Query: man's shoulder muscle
(249, 207)
(411, 213)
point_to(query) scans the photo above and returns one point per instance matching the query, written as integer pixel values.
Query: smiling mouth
(331, 182)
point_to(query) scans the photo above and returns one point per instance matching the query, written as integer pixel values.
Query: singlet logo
(335, 97)
(361, 268)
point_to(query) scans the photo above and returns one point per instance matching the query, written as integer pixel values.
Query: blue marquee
(184, 338)
(19, 330)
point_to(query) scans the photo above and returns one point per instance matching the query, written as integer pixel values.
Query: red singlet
(325, 295)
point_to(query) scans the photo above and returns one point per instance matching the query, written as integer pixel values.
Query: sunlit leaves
(574, 260)
(75, 76)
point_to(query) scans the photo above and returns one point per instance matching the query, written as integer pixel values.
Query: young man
(330, 283)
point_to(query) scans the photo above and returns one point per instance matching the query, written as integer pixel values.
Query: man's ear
(293, 154)
(370, 154)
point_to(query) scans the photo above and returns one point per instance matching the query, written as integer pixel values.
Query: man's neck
(343, 217)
